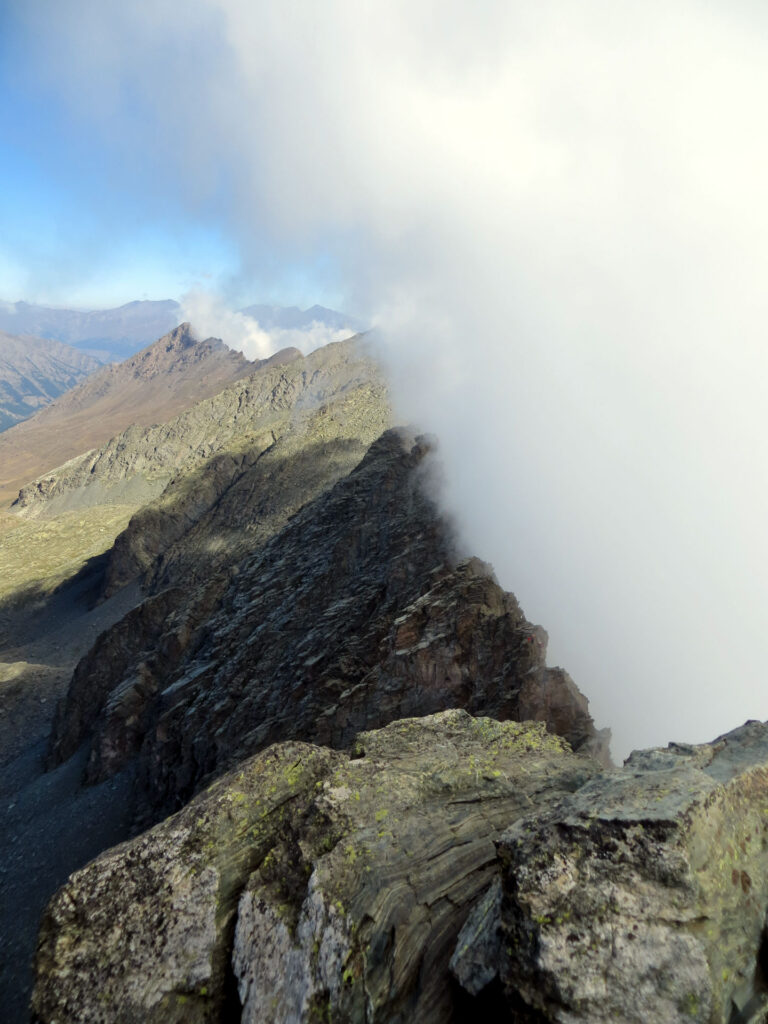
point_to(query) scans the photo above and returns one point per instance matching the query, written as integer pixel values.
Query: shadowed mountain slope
(256, 452)
(227, 473)
(150, 387)
(35, 371)
(357, 612)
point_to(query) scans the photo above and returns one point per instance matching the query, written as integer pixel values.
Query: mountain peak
(151, 387)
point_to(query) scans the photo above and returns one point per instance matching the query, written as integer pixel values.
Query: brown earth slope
(150, 387)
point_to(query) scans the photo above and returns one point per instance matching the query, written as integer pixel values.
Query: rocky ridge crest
(300, 678)
(356, 613)
(308, 884)
(153, 386)
(445, 868)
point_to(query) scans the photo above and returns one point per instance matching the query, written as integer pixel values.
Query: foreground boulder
(640, 898)
(310, 884)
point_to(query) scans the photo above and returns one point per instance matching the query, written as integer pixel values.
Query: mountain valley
(107, 334)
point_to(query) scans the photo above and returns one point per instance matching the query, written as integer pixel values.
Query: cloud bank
(210, 316)
(556, 214)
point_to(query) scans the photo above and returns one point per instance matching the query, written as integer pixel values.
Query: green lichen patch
(336, 856)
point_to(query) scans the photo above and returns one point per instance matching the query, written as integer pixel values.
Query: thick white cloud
(211, 317)
(557, 214)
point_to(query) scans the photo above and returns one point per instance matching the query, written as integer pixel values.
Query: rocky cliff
(385, 805)
(275, 440)
(357, 612)
(300, 585)
(445, 869)
(641, 897)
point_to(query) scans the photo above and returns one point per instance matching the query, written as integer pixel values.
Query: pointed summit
(152, 386)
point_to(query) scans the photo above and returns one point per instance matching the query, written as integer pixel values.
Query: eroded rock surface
(307, 885)
(642, 897)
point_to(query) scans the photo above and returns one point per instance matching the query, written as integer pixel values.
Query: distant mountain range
(35, 371)
(108, 334)
(112, 335)
(292, 318)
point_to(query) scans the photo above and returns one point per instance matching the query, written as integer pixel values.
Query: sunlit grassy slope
(36, 555)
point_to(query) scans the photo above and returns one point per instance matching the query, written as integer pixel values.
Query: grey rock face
(328, 885)
(354, 615)
(642, 897)
(475, 960)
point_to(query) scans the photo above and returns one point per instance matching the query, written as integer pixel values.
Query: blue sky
(86, 221)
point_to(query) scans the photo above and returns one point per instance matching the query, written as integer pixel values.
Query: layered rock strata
(355, 614)
(641, 898)
(307, 885)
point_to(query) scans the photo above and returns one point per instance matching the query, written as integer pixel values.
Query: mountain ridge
(116, 334)
(288, 579)
(108, 333)
(152, 386)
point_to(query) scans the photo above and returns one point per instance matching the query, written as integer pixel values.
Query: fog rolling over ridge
(261, 331)
(556, 216)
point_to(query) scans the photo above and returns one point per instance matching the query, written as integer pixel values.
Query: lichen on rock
(642, 897)
(324, 885)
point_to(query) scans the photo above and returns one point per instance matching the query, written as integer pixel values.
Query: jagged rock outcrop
(307, 885)
(642, 897)
(355, 614)
(143, 459)
(281, 437)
